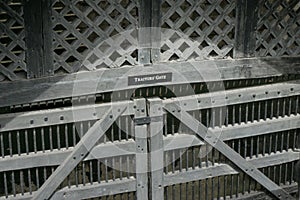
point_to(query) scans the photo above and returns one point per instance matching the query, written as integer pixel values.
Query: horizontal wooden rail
(224, 169)
(171, 142)
(58, 87)
(236, 96)
(33, 119)
(87, 191)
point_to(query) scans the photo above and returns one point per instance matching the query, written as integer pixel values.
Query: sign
(150, 79)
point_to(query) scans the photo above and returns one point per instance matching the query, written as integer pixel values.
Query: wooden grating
(278, 30)
(94, 34)
(12, 44)
(197, 29)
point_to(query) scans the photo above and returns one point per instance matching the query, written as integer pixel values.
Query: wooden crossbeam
(86, 143)
(213, 139)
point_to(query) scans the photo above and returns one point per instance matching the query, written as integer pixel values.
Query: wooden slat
(96, 190)
(198, 174)
(87, 191)
(56, 157)
(237, 96)
(291, 188)
(225, 169)
(34, 119)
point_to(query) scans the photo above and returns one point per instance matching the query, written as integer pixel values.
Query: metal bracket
(146, 120)
(142, 120)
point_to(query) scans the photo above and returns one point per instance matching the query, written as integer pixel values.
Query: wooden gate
(149, 99)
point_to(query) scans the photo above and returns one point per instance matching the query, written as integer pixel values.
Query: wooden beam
(41, 118)
(212, 139)
(225, 169)
(37, 90)
(88, 191)
(144, 32)
(156, 149)
(96, 190)
(246, 22)
(38, 38)
(155, 30)
(171, 142)
(141, 149)
(84, 146)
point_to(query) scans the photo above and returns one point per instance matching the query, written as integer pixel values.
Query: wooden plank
(97, 190)
(86, 143)
(58, 87)
(237, 96)
(290, 188)
(198, 174)
(38, 38)
(171, 142)
(87, 191)
(34, 119)
(186, 176)
(213, 140)
(56, 157)
(141, 149)
(246, 22)
(17, 121)
(181, 141)
(225, 169)
(297, 166)
(274, 159)
(156, 149)
(155, 30)
(258, 127)
(144, 32)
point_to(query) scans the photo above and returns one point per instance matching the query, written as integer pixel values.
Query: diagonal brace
(84, 146)
(213, 139)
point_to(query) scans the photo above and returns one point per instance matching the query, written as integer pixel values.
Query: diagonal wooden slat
(213, 139)
(80, 151)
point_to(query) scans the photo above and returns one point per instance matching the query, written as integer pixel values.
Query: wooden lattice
(278, 30)
(88, 34)
(12, 44)
(197, 29)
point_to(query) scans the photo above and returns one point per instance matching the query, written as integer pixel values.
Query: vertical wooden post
(141, 150)
(38, 38)
(246, 22)
(144, 32)
(156, 148)
(297, 167)
(155, 31)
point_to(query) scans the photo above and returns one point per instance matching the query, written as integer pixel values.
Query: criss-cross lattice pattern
(12, 44)
(91, 34)
(278, 30)
(197, 29)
